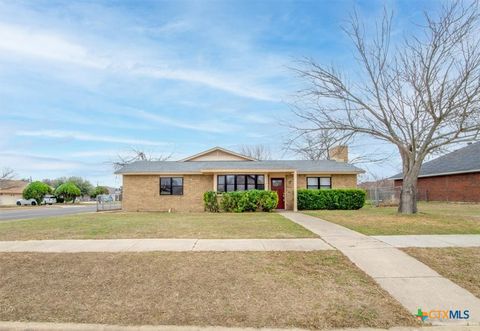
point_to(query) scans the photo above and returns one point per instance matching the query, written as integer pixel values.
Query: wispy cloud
(52, 46)
(212, 125)
(88, 137)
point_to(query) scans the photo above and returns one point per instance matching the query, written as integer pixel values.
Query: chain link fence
(390, 196)
(106, 202)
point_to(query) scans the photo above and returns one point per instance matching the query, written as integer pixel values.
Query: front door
(277, 185)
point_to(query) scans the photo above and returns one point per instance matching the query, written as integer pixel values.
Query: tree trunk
(408, 195)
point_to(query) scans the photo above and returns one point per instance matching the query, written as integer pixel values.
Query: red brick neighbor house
(451, 177)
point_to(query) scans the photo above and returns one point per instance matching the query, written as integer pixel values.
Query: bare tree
(258, 152)
(316, 145)
(7, 173)
(421, 96)
(137, 155)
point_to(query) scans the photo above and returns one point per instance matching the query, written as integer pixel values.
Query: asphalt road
(43, 211)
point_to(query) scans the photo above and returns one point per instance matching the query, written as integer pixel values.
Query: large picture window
(171, 186)
(230, 183)
(319, 183)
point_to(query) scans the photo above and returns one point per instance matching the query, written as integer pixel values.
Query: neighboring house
(180, 185)
(451, 177)
(11, 191)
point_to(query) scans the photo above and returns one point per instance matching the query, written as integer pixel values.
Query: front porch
(284, 182)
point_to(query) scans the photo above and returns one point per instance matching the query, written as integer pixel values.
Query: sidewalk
(408, 280)
(447, 240)
(167, 245)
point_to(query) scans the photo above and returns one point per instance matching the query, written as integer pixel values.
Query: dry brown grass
(155, 225)
(288, 289)
(461, 265)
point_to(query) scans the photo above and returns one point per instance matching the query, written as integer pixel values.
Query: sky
(85, 81)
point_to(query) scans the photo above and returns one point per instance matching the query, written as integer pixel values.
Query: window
(319, 183)
(230, 183)
(171, 186)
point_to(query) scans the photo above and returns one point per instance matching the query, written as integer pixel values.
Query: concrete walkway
(411, 282)
(24, 326)
(448, 240)
(168, 245)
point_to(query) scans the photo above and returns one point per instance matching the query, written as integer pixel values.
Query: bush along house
(180, 185)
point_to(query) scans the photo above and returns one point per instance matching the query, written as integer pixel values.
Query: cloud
(213, 126)
(87, 137)
(28, 163)
(52, 46)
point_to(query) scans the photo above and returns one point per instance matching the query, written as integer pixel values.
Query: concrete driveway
(9, 214)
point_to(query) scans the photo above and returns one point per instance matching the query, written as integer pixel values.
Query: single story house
(451, 177)
(180, 185)
(11, 191)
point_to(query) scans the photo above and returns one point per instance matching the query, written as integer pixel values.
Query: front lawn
(244, 289)
(155, 225)
(432, 218)
(460, 265)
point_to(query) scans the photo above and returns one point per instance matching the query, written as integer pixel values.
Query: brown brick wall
(461, 187)
(338, 181)
(142, 193)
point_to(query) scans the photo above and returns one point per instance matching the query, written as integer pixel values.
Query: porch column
(267, 182)
(215, 182)
(295, 191)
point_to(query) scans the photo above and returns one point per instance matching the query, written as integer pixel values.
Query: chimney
(339, 153)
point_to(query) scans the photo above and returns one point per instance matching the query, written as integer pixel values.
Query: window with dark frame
(319, 183)
(171, 185)
(230, 183)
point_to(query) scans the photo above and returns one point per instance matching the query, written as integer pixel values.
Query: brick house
(11, 191)
(451, 177)
(180, 185)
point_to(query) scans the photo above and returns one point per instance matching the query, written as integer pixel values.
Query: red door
(277, 185)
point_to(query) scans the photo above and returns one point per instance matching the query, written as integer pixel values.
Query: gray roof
(198, 166)
(466, 159)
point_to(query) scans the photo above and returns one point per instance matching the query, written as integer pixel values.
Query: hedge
(240, 201)
(345, 199)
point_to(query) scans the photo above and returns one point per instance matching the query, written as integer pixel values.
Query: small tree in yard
(69, 191)
(422, 96)
(36, 190)
(99, 190)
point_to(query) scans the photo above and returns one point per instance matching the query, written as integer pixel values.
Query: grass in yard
(460, 265)
(154, 225)
(432, 218)
(254, 289)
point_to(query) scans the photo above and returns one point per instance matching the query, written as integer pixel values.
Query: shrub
(210, 201)
(268, 200)
(36, 190)
(69, 191)
(244, 201)
(230, 200)
(344, 199)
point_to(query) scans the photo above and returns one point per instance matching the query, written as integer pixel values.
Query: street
(43, 211)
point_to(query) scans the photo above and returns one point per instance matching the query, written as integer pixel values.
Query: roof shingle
(199, 166)
(466, 159)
